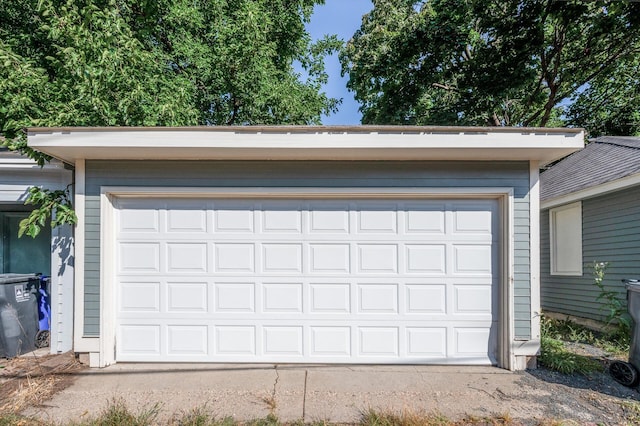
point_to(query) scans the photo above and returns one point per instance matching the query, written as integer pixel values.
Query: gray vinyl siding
(610, 233)
(307, 174)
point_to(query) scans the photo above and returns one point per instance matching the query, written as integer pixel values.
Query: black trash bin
(626, 373)
(18, 314)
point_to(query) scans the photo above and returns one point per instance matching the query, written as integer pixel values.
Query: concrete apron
(295, 392)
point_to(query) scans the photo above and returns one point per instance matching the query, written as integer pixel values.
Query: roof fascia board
(594, 191)
(314, 129)
(320, 143)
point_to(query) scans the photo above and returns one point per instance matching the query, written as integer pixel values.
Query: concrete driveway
(333, 393)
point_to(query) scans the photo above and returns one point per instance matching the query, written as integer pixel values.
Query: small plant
(555, 356)
(117, 413)
(616, 309)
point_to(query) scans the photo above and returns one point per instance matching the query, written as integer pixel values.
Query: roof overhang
(70, 144)
(592, 191)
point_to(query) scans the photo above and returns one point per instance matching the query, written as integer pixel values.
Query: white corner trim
(527, 348)
(107, 280)
(80, 343)
(108, 206)
(506, 296)
(534, 236)
(594, 191)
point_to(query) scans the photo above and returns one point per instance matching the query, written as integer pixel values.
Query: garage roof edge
(399, 143)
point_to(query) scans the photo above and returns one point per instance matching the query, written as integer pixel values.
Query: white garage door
(364, 281)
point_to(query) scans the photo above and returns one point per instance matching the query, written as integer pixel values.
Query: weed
(555, 356)
(270, 420)
(117, 413)
(405, 418)
(199, 416)
(271, 402)
(18, 420)
(612, 304)
(568, 331)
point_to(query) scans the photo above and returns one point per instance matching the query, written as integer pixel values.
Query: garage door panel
(139, 257)
(472, 259)
(135, 296)
(425, 259)
(139, 220)
(185, 219)
(187, 340)
(330, 298)
(229, 341)
(377, 298)
(187, 257)
(283, 340)
(307, 281)
(235, 258)
(426, 298)
(187, 297)
(279, 298)
(333, 219)
(235, 297)
(377, 258)
(420, 219)
(381, 219)
(329, 258)
(426, 342)
(281, 258)
(236, 340)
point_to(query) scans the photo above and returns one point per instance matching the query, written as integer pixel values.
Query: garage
(307, 244)
(366, 281)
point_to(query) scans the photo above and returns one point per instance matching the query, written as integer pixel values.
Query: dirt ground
(31, 380)
(582, 400)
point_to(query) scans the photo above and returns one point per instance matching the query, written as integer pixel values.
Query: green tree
(157, 63)
(491, 62)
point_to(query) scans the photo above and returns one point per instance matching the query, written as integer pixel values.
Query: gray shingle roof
(606, 159)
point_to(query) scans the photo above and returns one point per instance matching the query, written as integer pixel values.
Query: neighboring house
(51, 253)
(371, 244)
(590, 211)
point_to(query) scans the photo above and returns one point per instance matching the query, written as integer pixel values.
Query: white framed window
(565, 237)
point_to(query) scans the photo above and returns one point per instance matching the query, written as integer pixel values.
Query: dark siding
(307, 174)
(610, 233)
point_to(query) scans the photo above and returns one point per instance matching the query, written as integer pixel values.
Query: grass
(555, 356)
(118, 414)
(614, 342)
(410, 418)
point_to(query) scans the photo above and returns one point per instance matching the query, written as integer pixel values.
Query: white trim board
(307, 143)
(109, 196)
(80, 342)
(594, 191)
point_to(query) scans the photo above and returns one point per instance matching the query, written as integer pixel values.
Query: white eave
(306, 143)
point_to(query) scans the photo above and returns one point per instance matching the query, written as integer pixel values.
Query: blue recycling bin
(18, 313)
(44, 312)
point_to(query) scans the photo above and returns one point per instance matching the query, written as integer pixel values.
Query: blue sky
(341, 17)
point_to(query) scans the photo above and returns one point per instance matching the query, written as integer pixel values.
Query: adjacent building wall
(610, 233)
(17, 175)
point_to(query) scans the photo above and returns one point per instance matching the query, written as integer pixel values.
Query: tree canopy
(498, 63)
(158, 63)
(153, 63)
